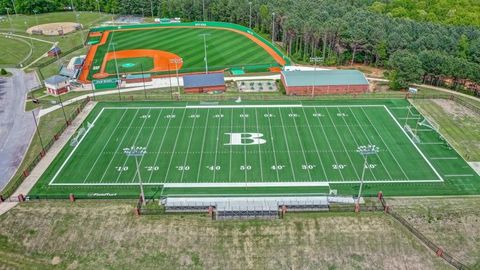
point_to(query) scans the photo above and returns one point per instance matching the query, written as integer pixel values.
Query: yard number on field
(145, 116)
(339, 166)
(121, 168)
(183, 168)
(214, 168)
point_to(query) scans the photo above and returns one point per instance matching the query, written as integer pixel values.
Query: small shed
(204, 83)
(54, 51)
(57, 85)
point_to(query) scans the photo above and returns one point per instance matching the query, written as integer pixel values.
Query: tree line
(340, 31)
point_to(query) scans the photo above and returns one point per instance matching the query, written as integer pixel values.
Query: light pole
(250, 21)
(63, 110)
(136, 151)
(38, 133)
(143, 13)
(314, 59)
(177, 61)
(116, 67)
(98, 7)
(203, 9)
(151, 8)
(143, 79)
(205, 48)
(365, 151)
(36, 19)
(273, 27)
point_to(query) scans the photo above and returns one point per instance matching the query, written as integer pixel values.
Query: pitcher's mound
(54, 29)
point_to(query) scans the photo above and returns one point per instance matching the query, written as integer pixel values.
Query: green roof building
(324, 82)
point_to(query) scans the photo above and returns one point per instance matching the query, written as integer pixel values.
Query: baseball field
(187, 47)
(255, 148)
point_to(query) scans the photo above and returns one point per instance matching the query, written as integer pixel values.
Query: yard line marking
(216, 146)
(438, 143)
(440, 158)
(188, 147)
(118, 147)
(104, 146)
(203, 144)
(160, 147)
(370, 142)
(457, 175)
(413, 143)
(343, 144)
(174, 146)
(149, 139)
(384, 143)
(230, 164)
(301, 145)
(134, 144)
(259, 149)
(329, 145)
(273, 146)
(288, 148)
(75, 148)
(315, 144)
(241, 184)
(244, 150)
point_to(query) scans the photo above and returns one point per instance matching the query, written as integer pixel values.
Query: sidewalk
(30, 181)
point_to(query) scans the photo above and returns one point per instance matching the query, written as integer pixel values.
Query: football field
(295, 147)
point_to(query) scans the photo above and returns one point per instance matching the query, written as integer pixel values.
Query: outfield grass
(224, 48)
(306, 143)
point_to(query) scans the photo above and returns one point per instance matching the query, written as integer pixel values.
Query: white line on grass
(301, 146)
(440, 158)
(75, 148)
(413, 143)
(458, 175)
(216, 146)
(386, 145)
(118, 147)
(369, 142)
(273, 146)
(188, 147)
(134, 144)
(104, 146)
(174, 146)
(315, 145)
(203, 144)
(230, 164)
(329, 145)
(149, 139)
(343, 144)
(244, 151)
(288, 148)
(160, 147)
(259, 149)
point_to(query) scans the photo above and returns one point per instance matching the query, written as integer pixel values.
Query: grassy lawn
(459, 125)
(106, 234)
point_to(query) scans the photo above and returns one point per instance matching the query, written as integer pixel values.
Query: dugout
(204, 83)
(322, 82)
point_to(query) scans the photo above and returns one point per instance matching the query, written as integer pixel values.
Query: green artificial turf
(309, 147)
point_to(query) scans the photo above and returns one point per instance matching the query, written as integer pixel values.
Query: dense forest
(340, 31)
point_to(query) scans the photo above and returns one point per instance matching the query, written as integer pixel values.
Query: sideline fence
(427, 242)
(16, 182)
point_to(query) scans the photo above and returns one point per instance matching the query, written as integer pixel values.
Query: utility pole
(273, 28)
(36, 19)
(250, 21)
(38, 133)
(365, 151)
(205, 48)
(98, 6)
(9, 20)
(14, 8)
(314, 59)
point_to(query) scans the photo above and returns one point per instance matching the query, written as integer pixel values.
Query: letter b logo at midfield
(245, 138)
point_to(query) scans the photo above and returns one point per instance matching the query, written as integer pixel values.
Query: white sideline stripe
(252, 184)
(75, 148)
(455, 175)
(413, 143)
(409, 118)
(431, 143)
(444, 158)
(241, 106)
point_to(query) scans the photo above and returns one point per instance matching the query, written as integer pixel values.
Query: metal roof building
(203, 83)
(324, 82)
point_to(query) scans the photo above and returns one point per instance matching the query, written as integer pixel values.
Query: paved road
(16, 126)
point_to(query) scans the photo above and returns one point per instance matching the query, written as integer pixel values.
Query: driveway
(16, 126)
